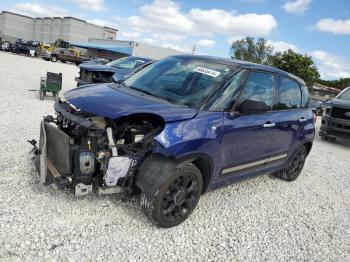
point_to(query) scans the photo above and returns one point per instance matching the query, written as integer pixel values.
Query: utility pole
(193, 49)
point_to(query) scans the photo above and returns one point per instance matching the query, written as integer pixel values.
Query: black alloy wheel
(180, 197)
(169, 191)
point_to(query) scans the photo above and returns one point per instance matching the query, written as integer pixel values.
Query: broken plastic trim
(59, 108)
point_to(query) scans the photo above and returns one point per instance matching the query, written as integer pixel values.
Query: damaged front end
(90, 153)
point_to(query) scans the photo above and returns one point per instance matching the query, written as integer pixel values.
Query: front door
(246, 139)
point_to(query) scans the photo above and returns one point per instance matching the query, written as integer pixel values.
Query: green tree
(248, 49)
(340, 83)
(297, 64)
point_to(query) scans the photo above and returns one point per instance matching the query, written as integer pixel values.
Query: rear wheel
(169, 193)
(295, 165)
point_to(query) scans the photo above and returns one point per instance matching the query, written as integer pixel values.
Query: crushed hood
(111, 101)
(95, 67)
(338, 102)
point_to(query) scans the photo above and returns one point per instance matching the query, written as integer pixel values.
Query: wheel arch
(205, 165)
(308, 145)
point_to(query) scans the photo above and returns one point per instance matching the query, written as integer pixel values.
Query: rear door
(291, 117)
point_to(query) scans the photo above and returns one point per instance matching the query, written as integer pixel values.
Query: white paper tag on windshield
(206, 71)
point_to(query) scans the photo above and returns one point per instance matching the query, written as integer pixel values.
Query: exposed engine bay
(91, 153)
(96, 77)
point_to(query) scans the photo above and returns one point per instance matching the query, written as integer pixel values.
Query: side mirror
(249, 106)
(117, 78)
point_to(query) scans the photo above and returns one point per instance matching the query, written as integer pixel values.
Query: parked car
(8, 47)
(64, 55)
(336, 117)
(179, 128)
(317, 105)
(118, 70)
(25, 47)
(5, 46)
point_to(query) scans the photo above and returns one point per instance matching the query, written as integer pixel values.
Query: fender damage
(92, 149)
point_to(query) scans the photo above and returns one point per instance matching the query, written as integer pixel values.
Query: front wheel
(53, 58)
(295, 165)
(169, 193)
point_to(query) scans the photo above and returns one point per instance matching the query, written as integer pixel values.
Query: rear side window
(259, 87)
(289, 95)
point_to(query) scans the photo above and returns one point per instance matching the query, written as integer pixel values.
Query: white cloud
(101, 22)
(205, 43)
(130, 35)
(331, 66)
(296, 6)
(334, 26)
(281, 46)
(161, 16)
(217, 21)
(38, 10)
(177, 47)
(165, 21)
(149, 40)
(93, 5)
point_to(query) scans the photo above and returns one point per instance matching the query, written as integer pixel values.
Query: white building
(49, 29)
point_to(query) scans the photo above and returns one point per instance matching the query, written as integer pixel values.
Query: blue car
(181, 127)
(117, 70)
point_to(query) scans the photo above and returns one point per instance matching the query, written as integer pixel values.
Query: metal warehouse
(49, 29)
(114, 49)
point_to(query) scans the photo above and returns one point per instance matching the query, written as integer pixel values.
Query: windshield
(183, 81)
(345, 94)
(127, 63)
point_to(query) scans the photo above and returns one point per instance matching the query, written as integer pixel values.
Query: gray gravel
(262, 219)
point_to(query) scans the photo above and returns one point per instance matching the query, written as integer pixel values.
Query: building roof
(56, 17)
(244, 64)
(127, 50)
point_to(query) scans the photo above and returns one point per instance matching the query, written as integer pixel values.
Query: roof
(127, 50)
(8, 12)
(244, 64)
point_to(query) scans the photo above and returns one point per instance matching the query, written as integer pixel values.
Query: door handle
(269, 124)
(302, 119)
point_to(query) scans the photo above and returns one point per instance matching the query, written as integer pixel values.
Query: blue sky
(320, 28)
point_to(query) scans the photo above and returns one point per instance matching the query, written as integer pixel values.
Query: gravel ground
(262, 219)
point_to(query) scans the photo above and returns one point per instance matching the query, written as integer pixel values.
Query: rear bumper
(335, 127)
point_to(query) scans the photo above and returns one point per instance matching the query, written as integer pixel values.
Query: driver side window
(260, 87)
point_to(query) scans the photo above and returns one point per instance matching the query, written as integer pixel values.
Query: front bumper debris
(53, 142)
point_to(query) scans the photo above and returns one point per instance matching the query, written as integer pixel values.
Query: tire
(295, 165)
(169, 193)
(41, 94)
(53, 58)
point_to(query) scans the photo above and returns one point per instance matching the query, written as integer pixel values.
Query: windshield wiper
(152, 94)
(142, 91)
